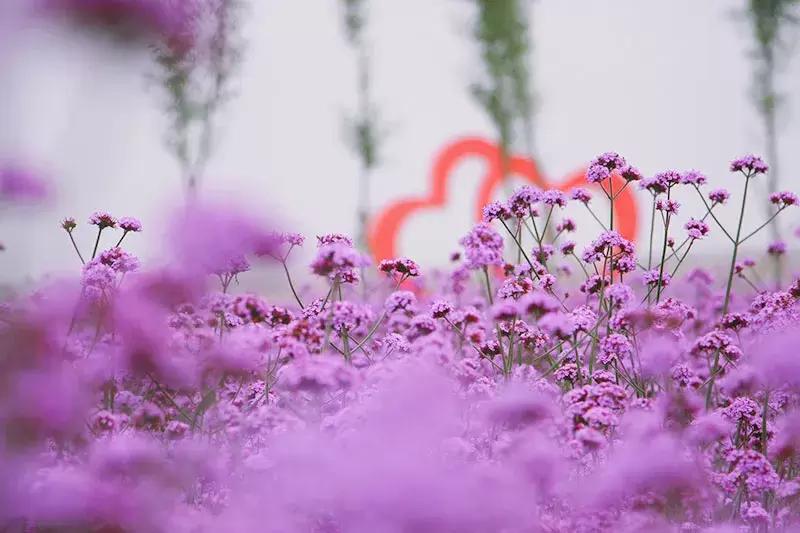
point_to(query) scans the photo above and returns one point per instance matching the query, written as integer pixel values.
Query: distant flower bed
(536, 386)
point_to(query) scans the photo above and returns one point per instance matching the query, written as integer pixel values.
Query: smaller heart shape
(387, 224)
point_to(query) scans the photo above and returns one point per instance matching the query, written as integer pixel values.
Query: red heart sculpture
(387, 224)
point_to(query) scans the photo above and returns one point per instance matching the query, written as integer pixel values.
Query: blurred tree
(769, 20)
(502, 32)
(363, 127)
(196, 80)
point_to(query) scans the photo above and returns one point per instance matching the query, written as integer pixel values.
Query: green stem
(97, 242)
(74, 245)
(291, 285)
(663, 254)
(778, 212)
(120, 239)
(488, 285)
(729, 286)
(652, 231)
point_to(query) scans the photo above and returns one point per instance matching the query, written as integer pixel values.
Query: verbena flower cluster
(526, 390)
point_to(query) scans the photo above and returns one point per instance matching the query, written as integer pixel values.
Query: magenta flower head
(669, 177)
(68, 224)
(496, 211)
(719, 196)
(441, 309)
(168, 20)
(333, 238)
(630, 173)
(581, 195)
(750, 165)
(119, 260)
(207, 237)
(518, 407)
(693, 177)
(130, 224)
(292, 239)
(102, 220)
(557, 324)
(17, 184)
(656, 185)
(602, 166)
(668, 206)
(402, 266)
(697, 229)
(567, 225)
(522, 201)
(554, 197)
(653, 277)
(483, 247)
(776, 248)
(783, 199)
(338, 261)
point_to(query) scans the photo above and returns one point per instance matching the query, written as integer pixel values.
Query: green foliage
(363, 129)
(196, 83)
(363, 126)
(354, 19)
(769, 20)
(501, 31)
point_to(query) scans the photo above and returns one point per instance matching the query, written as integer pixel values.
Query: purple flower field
(601, 349)
(535, 386)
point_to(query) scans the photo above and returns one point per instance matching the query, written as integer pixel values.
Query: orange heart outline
(386, 226)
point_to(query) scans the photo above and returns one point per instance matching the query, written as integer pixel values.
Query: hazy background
(665, 83)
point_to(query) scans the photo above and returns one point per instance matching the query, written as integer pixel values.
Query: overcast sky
(665, 83)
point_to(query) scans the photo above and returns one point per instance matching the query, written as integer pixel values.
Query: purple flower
(523, 200)
(400, 301)
(102, 220)
(69, 224)
(554, 197)
(568, 247)
(518, 407)
(496, 211)
(656, 185)
(597, 174)
(538, 304)
(719, 196)
(483, 247)
(441, 309)
(783, 199)
(697, 229)
(581, 195)
(653, 278)
(610, 243)
(614, 347)
(17, 185)
(630, 173)
(119, 260)
(749, 165)
(557, 324)
(667, 206)
(333, 238)
(402, 266)
(567, 225)
(338, 261)
(317, 375)
(776, 248)
(601, 167)
(163, 19)
(669, 178)
(130, 224)
(502, 311)
(693, 177)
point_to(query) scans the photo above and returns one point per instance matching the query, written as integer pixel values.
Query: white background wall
(665, 83)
